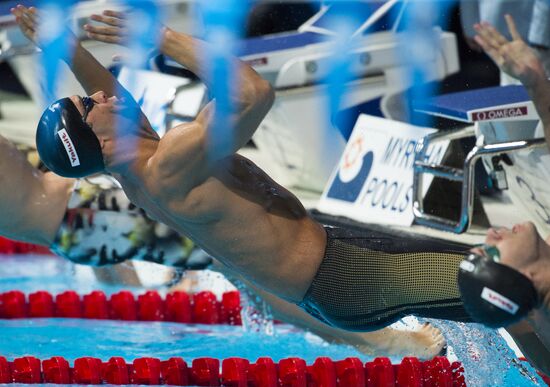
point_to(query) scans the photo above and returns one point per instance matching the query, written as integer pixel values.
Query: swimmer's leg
(424, 343)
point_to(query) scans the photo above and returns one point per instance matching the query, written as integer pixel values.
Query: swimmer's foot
(424, 343)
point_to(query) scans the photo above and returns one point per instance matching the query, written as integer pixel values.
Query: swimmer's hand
(28, 20)
(513, 57)
(118, 27)
(113, 31)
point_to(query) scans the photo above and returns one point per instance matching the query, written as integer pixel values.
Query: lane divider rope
(199, 308)
(380, 372)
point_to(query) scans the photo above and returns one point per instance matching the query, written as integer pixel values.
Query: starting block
(505, 125)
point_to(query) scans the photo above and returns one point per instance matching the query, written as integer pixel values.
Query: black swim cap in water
(495, 294)
(66, 143)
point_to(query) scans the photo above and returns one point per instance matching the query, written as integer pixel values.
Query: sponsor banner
(499, 300)
(373, 180)
(524, 111)
(69, 147)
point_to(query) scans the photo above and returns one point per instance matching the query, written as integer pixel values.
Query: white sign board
(373, 180)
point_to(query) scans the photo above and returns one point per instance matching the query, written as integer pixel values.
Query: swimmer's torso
(246, 220)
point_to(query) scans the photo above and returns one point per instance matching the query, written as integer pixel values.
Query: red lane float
(9, 246)
(95, 305)
(235, 372)
(178, 307)
(40, 304)
(201, 308)
(68, 304)
(56, 370)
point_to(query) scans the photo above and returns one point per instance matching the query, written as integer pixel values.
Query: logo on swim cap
(499, 300)
(66, 143)
(69, 147)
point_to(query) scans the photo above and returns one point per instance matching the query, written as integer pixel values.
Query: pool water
(486, 357)
(45, 338)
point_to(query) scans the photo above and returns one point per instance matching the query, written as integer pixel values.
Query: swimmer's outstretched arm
(252, 96)
(517, 59)
(33, 210)
(88, 71)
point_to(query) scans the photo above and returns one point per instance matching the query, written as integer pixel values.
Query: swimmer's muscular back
(241, 216)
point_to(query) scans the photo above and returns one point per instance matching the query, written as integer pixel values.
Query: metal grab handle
(466, 176)
(171, 114)
(442, 171)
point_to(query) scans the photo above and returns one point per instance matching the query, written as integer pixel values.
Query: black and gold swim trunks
(369, 279)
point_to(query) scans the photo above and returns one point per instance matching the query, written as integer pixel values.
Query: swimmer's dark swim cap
(495, 295)
(66, 144)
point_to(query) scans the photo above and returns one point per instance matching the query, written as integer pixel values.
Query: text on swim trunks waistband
(66, 143)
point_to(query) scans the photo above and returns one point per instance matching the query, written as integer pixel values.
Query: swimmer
(93, 223)
(353, 280)
(522, 248)
(228, 205)
(517, 59)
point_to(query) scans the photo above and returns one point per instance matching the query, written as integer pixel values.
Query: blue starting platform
(501, 103)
